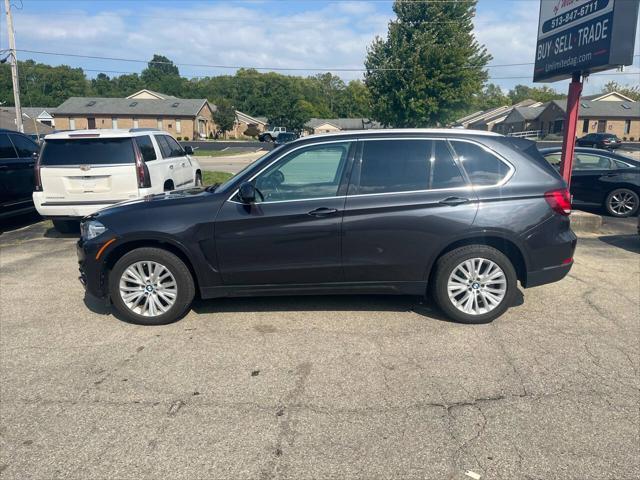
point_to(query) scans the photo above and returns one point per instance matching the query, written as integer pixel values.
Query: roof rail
(132, 130)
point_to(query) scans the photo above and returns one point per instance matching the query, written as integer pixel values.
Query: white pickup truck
(271, 134)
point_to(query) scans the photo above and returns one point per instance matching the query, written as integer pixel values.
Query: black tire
(267, 138)
(198, 180)
(180, 272)
(448, 262)
(614, 211)
(66, 226)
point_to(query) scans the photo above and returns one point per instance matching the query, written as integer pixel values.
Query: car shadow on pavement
(18, 222)
(630, 243)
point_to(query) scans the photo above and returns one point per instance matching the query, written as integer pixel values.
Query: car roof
(103, 133)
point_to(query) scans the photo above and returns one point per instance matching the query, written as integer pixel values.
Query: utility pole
(14, 67)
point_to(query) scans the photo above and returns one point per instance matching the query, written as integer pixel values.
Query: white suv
(79, 172)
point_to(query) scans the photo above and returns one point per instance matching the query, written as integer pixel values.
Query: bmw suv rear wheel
(151, 286)
(474, 284)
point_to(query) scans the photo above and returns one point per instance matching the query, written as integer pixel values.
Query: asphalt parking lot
(320, 387)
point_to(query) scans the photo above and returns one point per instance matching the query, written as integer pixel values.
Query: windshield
(88, 151)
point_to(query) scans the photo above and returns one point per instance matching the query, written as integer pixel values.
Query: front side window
(24, 146)
(390, 166)
(164, 146)
(311, 172)
(482, 167)
(146, 148)
(176, 149)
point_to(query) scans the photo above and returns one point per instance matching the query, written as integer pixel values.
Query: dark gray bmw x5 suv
(463, 215)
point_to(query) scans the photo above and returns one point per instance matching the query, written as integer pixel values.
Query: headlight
(91, 229)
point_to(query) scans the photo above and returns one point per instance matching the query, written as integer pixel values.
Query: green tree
(224, 116)
(491, 96)
(162, 75)
(631, 91)
(429, 66)
(539, 94)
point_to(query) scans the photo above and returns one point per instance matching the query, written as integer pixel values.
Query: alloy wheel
(623, 202)
(148, 288)
(477, 286)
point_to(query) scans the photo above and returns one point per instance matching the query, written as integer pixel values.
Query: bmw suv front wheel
(151, 286)
(474, 284)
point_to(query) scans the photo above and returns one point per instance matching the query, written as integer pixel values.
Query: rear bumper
(67, 209)
(547, 275)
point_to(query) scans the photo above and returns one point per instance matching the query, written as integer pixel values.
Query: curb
(583, 222)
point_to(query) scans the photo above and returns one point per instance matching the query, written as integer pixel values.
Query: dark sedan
(602, 178)
(607, 141)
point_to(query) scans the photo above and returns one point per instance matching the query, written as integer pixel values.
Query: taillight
(559, 200)
(144, 180)
(37, 181)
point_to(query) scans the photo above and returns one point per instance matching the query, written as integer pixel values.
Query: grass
(209, 178)
(215, 153)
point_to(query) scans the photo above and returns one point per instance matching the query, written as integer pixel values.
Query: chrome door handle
(453, 201)
(322, 212)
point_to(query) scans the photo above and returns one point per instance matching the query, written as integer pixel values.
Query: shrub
(624, 139)
(632, 139)
(210, 135)
(186, 139)
(178, 138)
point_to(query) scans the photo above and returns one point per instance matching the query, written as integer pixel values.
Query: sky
(311, 36)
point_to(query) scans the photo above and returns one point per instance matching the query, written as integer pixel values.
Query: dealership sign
(584, 36)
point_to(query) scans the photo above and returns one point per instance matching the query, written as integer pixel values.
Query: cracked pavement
(320, 387)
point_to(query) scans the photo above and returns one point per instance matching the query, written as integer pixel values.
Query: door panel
(406, 196)
(279, 243)
(292, 234)
(587, 184)
(20, 170)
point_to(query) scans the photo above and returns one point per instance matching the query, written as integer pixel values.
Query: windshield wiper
(212, 188)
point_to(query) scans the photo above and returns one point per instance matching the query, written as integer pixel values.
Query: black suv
(607, 141)
(16, 173)
(463, 215)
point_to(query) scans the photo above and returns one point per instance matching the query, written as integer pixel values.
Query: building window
(169, 126)
(72, 123)
(159, 124)
(114, 123)
(585, 126)
(627, 127)
(135, 123)
(178, 126)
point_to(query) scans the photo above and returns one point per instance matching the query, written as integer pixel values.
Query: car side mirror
(247, 193)
(188, 149)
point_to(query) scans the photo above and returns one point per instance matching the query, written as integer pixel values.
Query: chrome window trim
(468, 187)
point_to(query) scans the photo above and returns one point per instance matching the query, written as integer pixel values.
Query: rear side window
(146, 148)
(407, 165)
(6, 147)
(24, 146)
(88, 151)
(482, 167)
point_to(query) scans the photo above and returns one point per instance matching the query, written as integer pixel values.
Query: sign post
(579, 37)
(571, 124)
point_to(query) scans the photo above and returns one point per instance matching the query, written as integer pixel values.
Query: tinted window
(6, 147)
(312, 172)
(621, 164)
(89, 151)
(24, 146)
(164, 146)
(407, 165)
(176, 149)
(482, 167)
(584, 161)
(146, 148)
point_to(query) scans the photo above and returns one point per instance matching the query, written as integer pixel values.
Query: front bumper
(92, 271)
